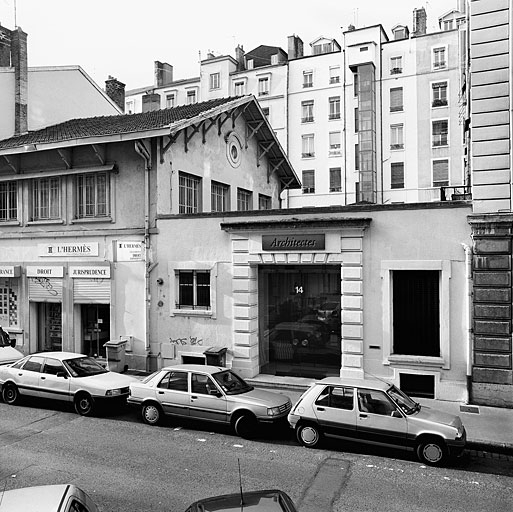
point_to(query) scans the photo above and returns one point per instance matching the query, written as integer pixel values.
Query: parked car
(63, 376)
(375, 412)
(47, 498)
(258, 501)
(8, 352)
(211, 393)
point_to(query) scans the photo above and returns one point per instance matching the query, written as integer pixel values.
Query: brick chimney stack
(239, 57)
(20, 64)
(163, 73)
(115, 90)
(419, 22)
(295, 47)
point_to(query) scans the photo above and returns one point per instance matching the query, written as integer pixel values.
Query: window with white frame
(263, 86)
(335, 144)
(335, 179)
(397, 136)
(307, 142)
(448, 25)
(441, 173)
(46, 199)
(264, 202)
(397, 175)
(356, 120)
(334, 107)
(189, 193)
(396, 99)
(396, 65)
(439, 94)
(193, 289)
(309, 182)
(8, 201)
(239, 88)
(92, 194)
(439, 58)
(274, 59)
(307, 79)
(335, 75)
(129, 107)
(215, 81)
(220, 197)
(266, 111)
(170, 100)
(244, 200)
(191, 97)
(440, 131)
(307, 111)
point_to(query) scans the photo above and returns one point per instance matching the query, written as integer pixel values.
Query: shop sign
(60, 250)
(9, 271)
(292, 243)
(45, 271)
(89, 272)
(129, 250)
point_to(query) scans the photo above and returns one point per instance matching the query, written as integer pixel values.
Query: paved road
(128, 466)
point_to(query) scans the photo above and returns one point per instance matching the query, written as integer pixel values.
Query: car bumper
(457, 446)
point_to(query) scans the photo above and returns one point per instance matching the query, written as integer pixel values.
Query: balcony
(308, 155)
(336, 115)
(462, 193)
(439, 103)
(334, 80)
(308, 190)
(306, 85)
(307, 119)
(396, 71)
(396, 146)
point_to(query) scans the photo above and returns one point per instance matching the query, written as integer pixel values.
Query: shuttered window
(308, 182)
(396, 99)
(335, 179)
(397, 175)
(440, 173)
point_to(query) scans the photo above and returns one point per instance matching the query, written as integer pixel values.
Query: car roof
(202, 368)
(357, 383)
(58, 355)
(43, 498)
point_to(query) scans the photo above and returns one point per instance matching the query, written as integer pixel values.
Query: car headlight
(273, 411)
(460, 433)
(113, 392)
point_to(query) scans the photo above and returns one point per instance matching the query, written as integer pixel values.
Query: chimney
(239, 57)
(20, 64)
(210, 55)
(419, 22)
(115, 90)
(163, 73)
(295, 47)
(5, 47)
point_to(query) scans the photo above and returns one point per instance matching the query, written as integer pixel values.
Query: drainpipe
(468, 317)
(145, 154)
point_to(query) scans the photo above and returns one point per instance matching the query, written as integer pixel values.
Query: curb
(490, 447)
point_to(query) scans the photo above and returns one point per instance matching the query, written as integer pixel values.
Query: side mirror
(62, 374)
(12, 343)
(396, 414)
(214, 392)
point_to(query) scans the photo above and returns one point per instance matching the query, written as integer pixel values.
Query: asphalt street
(126, 465)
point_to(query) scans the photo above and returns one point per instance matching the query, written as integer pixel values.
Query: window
(308, 182)
(308, 146)
(129, 107)
(439, 94)
(92, 195)
(263, 86)
(335, 179)
(439, 60)
(46, 199)
(396, 136)
(189, 193)
(215, 81)
(375, 402)
(356, 120)
(9, 294)
(191, 97)
(193, 289)
(274, 59)
(34, 364)
(250, 63)
(266, 111)
(440, 133)
(264, 202)
(335, 75)
(177, 381)
(244, 200)
(239, 89)
(356, 157)
(53, 367)
(396, 99)
(170, 100)
(202, 384)
(8, 201)
(220, 197)
(307, 111)
(397, 175)
(334, 140)
(334, 104)
(441, 173)
(355, 83)
(307, 79)
(336, 396)
(396, 65)
(447, 25)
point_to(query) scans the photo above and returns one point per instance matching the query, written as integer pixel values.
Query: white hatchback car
(375, 412)
(63, 376)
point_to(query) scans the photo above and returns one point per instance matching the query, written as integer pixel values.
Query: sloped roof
(262, 54)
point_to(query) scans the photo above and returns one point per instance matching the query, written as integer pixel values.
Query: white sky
(123, 38)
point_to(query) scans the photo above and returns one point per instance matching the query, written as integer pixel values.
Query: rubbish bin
(116, 355)
(216, 356)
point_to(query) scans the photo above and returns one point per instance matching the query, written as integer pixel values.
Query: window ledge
(42, 222)
(87, 220)
(192, 312)
(10, 223)
(396, 360)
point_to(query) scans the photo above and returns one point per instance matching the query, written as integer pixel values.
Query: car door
(27, 377)
(336, 412)
(203, 404)
(379, 420)
(54, 380)
(173, 394)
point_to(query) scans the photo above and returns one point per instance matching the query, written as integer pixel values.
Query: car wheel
(432, 451)
(151, 414)
(10, 394)
(246, 426)
(308, 435)
(84, 404)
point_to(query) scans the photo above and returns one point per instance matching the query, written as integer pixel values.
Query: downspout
(510, 97)
(468, 317)
(145, 154)
(344, 126)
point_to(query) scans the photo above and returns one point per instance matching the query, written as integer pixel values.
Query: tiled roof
(262, 54)
(112, 125)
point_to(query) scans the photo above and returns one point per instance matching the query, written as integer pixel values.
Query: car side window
(375, 402)
(201, 383)
(76, 506)
(176, 381)
(338, 397)
(53, 366)
(34, 364)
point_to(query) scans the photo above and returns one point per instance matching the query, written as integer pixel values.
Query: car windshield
(84, 367)
(231, 383)
(405, 403)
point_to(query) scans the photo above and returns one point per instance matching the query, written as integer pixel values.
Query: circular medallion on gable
(233, 149)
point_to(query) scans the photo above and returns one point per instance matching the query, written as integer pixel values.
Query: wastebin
(216, 356)
(116, 355)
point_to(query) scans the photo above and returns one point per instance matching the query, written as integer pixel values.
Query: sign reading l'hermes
(292, 243)
(60, 250)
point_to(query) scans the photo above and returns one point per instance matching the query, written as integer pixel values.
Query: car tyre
(151, 414)
(308, 435)
(10, 394)
(432, 451)
(84, 404)
(245, 426)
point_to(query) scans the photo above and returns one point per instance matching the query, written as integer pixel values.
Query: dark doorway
(95, 328)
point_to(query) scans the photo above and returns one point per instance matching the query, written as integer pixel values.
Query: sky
(123, 38)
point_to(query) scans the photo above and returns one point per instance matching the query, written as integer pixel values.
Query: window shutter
(396, 99)
(440, 173)
(397, 175)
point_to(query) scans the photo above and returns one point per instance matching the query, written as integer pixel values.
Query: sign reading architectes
(292, 243)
